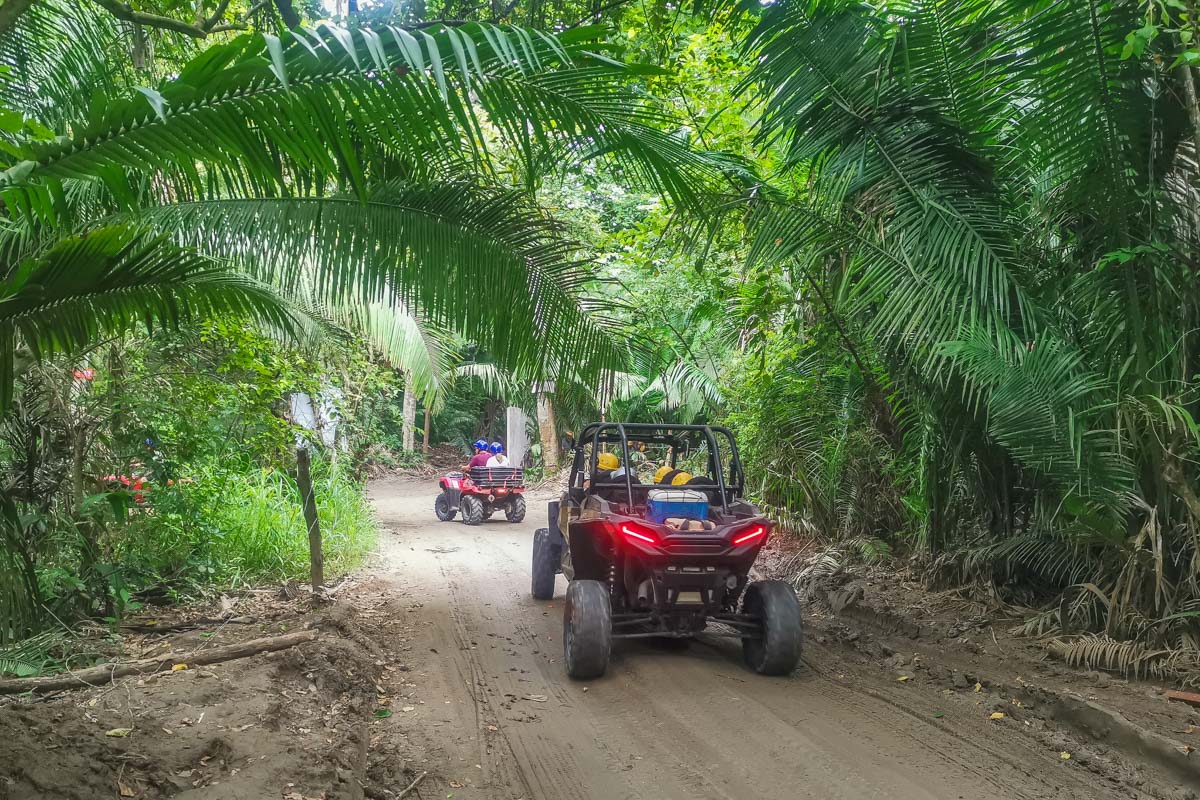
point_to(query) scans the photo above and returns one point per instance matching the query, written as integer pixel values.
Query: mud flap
(555, 533)
(557, 537)
(454, 497)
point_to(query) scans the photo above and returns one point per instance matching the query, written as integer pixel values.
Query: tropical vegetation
(932, 261)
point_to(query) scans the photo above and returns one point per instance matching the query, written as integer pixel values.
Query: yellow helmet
(681, 479)
(607, 462)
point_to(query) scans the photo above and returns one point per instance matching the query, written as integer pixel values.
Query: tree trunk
(288, 14)
(409, 420)
(547, 429)
(425, 432)
(316, 555)
(10, 12)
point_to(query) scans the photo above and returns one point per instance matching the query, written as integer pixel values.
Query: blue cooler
(663, 504)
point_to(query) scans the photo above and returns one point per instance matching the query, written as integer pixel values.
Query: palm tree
(1001, 201)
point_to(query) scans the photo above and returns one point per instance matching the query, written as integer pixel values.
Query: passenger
(606, 465)
(669, 476)
(498, 458)
(480, 459)
(619, 474)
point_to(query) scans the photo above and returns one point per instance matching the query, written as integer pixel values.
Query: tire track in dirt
(543, 757)
(682, 725)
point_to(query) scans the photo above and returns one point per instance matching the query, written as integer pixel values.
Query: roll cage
(728, 488)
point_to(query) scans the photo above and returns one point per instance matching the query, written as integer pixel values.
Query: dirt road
(493, 713)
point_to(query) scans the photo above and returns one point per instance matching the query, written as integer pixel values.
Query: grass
(259, 532)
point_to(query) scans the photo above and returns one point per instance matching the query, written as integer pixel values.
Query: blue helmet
(480, 445)
(496, 448)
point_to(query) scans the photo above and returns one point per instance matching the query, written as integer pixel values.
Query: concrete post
(516, 437)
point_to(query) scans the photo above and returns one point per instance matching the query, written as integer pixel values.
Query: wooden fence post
(316, 557)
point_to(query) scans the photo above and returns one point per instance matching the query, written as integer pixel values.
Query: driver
(606, 465)
(481, 456)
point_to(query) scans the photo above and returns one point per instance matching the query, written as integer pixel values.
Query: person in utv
(498, 458)
(480, 459)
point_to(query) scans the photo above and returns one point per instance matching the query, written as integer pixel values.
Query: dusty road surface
(491, 713)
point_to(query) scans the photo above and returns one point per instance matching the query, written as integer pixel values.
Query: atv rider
(481, 456)
(498, 458)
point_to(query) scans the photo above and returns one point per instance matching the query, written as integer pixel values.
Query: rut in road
(664, 723)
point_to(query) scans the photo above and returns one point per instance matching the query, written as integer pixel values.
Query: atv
(665, 559)
(481, 493)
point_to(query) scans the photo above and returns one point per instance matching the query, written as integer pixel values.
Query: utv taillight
(750, 534)
(638, 533)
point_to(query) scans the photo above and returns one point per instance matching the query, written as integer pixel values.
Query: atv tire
(547, 555)
(779, 649)
(515, 510)
(442, 508)
(472, 510)
(587, 629)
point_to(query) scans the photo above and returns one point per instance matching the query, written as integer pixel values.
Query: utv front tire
(472, 510)
(778, 651)
(546, 557)
(587, 629)
(515, 510)
(442, 508)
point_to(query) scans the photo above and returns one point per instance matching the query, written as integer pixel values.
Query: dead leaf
(997, 715)
(119, 733)
(455, 785)
(492, 728)
(537, 698)
(124, 790)
(902, 678)
(978, 687)
(406, 709)
(178, 667)
(1064, 755)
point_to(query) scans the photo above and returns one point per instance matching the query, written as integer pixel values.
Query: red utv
(481, 493)
(665, 560)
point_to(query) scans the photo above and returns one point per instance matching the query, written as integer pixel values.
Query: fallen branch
(412, 785)
(107, 673)
(186, 625)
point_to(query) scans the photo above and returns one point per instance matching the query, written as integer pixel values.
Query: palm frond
(57, 57)
(481, 263)
(110, 279)
(407, 342)
(269, 117)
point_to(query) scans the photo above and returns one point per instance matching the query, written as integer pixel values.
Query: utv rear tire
(778, 651)
(442, 508)
(515, 510)
(546, 557)
(587, 629)
(472, 510)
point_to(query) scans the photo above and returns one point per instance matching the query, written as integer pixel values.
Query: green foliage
(988, 205)
(240, 525)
